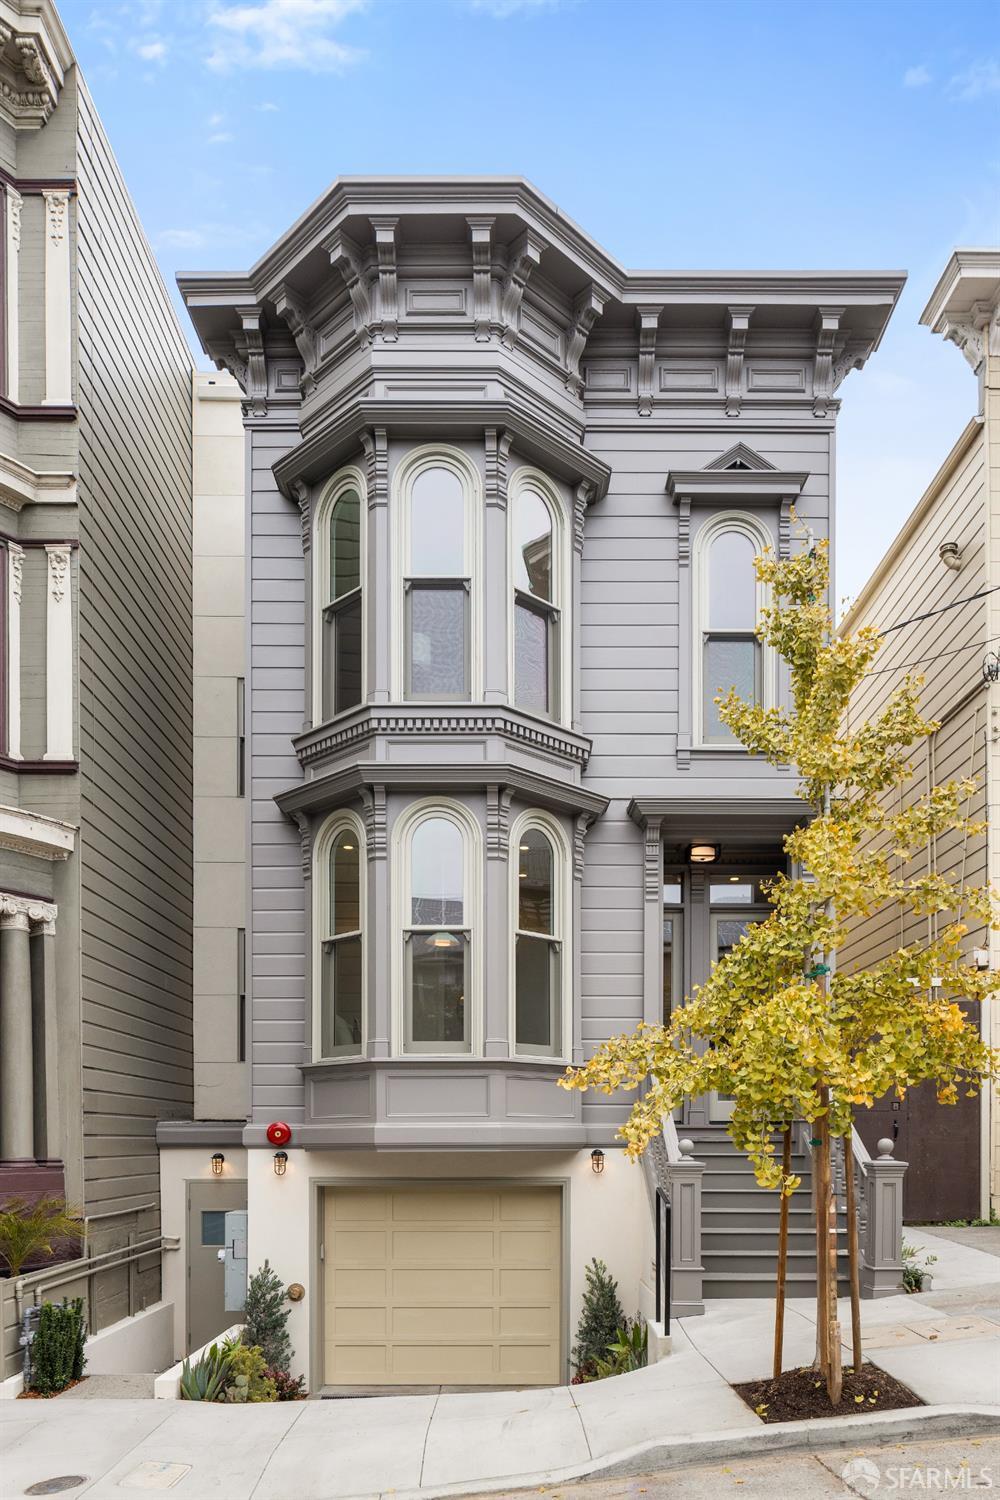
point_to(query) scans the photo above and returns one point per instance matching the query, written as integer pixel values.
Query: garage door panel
(356, 1283)
(428, 1324)
(443, 1284)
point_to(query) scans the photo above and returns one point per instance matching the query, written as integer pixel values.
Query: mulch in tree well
(802, 1393)
(48, 1395)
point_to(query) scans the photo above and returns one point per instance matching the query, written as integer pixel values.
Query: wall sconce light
(991, 667)
(218, 1162)
(597, 1160)
(280, 1163)
(703, 854)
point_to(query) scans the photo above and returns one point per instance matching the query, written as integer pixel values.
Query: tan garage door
(441, 1284)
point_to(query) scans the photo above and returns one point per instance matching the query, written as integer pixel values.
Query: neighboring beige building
(947, 551)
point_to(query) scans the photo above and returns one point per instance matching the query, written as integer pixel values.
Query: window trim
(749, 526)
(348, 478)
(338, 822)
(559, 608)
(416, 462)
(562, 909)
(403, 830)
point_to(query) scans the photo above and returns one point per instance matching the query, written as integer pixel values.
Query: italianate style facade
(504, 499)
(95, 684)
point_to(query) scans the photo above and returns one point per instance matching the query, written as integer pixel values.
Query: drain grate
(56, 1486)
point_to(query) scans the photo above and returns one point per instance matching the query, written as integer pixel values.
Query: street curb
(750, 1442)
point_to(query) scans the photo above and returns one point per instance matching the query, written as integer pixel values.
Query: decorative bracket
(829, 343)
(586, 310)
(480, 235)
(582, 497)
(373, 802)
(526, 254)
(303, 823)
(376, 447)
(648, 319)
(739, 325)
(975, 335)
(249, 346)
(652, 861)
(303, 498)
(291, 307)
(345, 257)
(498, 800)
(581, 827)
(388, 289)
(498, 443)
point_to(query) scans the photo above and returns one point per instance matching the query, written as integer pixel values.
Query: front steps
(739, 1226)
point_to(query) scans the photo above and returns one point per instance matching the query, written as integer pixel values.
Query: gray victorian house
(504, 501)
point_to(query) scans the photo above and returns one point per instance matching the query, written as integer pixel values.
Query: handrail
(663, 1259)
(671, 1139)
(87, 1266)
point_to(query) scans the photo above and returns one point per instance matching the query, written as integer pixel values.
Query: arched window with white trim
(339, 922)
(438, 572)
(537, 578)
(339, 593)
(728, 603)
(540, 918)
(439, 918)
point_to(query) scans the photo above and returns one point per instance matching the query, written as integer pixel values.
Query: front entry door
(208, 1203)
(727, 929)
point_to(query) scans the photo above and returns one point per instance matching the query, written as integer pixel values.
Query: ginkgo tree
(777, 1026)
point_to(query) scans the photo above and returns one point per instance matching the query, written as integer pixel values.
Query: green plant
(600, 1319)
(265, 1318)
(57, 1355)
(247, 1378)
(288, 1387)
(991, 1223)
(35, 1228)
(206, 1381)
(628, 1350)
(914, 1269)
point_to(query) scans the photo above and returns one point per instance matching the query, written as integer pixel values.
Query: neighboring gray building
(504, 499)
(95, 707)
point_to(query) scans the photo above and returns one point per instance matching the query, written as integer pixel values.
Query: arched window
(339, 552)
(536, 575)
(538, 861)
(438, 571)
(438, 924)
(728, 604)
(339, 919)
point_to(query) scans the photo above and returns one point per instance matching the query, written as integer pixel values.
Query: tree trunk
(826, 1247)
(819, 1218)
(779, 1305)
(852, 1253)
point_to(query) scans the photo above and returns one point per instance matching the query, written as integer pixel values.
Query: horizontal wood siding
(135, 694)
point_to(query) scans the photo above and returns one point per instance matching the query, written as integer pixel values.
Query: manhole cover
(57, 1485)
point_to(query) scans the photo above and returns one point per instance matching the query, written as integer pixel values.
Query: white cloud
(214, 120)
(266, 107)
(915, 78)
(501, 10)
(283, 34)
(979, 79)
(150, 49)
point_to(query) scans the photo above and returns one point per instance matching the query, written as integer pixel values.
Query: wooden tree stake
(779, 1305)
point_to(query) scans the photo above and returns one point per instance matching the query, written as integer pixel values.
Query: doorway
(207, 1205)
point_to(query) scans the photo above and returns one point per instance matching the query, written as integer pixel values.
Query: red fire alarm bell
(278, 1133)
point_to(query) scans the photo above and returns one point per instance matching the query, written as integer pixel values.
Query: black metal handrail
(663, 1242)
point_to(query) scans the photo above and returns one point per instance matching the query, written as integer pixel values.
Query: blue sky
(767, 133)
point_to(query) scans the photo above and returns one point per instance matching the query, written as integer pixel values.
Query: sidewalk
(679, 1410)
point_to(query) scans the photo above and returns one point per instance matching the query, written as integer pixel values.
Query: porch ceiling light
(703, 854)
(597, 1160)
(280, 1163)
(218, 1162)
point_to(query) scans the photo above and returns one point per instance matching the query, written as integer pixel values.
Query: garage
(442, 1284)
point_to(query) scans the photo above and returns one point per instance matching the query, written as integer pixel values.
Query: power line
(930, 613)
(921, 661)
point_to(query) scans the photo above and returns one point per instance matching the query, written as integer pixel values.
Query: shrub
(57, 1355)
(914, 1270)
(206, 1381)
(288, 1387)
(600, 1319)
(247, 1378)
(266, 1317)
(28, 1229)
(629, 1350)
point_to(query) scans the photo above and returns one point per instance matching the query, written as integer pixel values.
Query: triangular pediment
(741, 457)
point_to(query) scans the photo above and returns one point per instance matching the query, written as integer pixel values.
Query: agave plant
(205, 1381)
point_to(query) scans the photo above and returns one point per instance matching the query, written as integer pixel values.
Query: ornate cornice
(368, 723)
(34, 55)
(21, 485)
(36, 834)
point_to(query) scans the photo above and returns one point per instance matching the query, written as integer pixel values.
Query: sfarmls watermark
(865, 1477)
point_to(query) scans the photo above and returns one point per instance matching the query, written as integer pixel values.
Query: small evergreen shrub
(265, 1318)
(600, 1320)
(57, 1355)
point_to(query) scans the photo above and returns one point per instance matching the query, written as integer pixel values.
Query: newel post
(882, 1249)
(684, 1176)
